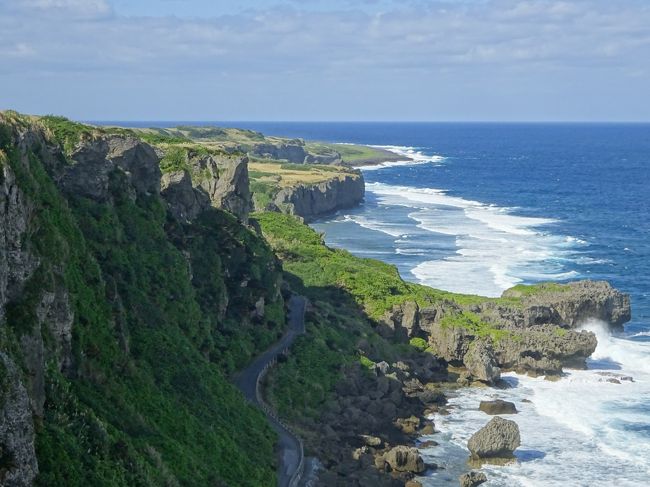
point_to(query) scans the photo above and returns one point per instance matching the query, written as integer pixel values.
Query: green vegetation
(419, 343)
(352, 154)
(375, 286)
(146, 400)
(474, 325)
(522, 290)
(66, 132)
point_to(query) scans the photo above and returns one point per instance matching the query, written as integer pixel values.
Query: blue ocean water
(485, 206)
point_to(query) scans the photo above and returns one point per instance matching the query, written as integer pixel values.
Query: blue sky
(483, 60)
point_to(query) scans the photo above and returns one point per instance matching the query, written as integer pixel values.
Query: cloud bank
(426, 60)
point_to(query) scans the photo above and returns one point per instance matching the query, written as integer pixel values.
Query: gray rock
(497, 407)
(96, 161)
(20, 465)
(499, 438)
(472, 479)
(405, 459)
(183, 200)
(481, 362)
(571, 305)
(311, 201)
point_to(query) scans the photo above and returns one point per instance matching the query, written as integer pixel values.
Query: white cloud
(520, 40)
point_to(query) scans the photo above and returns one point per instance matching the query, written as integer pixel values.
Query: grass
(376, 286)
(473, 324)
(525, 290)
(356, 154)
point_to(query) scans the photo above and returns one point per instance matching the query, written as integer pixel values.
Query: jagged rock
(371, 440)
(183, 200)
(481, 362)
(497, 406)
(499, 438)
(291, 151)
(404, 459)
(408, 425)
(571, 304)
(96, 161)
(311, 201)
(545, 349)
(19, 464)
(472, 479)
(227, 184)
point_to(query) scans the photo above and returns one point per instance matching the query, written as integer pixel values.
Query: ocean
(483, 207)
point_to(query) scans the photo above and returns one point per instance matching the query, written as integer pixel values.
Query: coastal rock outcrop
(472, 479)
(569, 304)
(404, 459)
(497, 406)
(497, 439)
(312, 201)
(481, 361)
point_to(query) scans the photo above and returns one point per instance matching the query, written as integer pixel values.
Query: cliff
(307, 191)
(315, 200)
(124, 311)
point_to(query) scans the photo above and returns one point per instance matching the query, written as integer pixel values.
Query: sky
(336, 60)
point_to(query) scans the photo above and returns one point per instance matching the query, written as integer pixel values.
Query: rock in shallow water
(497, 439)
(497, 407)
(472, 479)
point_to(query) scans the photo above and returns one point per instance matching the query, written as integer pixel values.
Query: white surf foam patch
(377, 225)
(495, 248)
(412, 157)
(581, 431)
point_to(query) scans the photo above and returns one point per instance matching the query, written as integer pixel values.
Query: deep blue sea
(483, 207)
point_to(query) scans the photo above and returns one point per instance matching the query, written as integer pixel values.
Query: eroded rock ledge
(536, 334)
(312, 201)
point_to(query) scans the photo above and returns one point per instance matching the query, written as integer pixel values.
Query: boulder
(472, 479)
(404, 459)
(499, 438)
(481, 362)
(497, 407)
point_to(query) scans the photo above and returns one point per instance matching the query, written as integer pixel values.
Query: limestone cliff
(124, 304)
(530, 329)
(311, 201)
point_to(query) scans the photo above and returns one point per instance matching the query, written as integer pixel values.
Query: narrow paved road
(289, 445)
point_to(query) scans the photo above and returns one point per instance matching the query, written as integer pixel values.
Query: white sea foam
(581, 431)
(494, 248)
(412, 157)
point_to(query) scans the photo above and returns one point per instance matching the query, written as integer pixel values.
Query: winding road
(248, 381)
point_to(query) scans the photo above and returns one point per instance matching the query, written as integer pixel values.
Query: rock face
(184, 202)
(95, 163)
(17, 454)
(472, 479)
(497, 407)
(405, 459)
(218, 181)
(17, 263)
(498, 439)
(292, 151)
(312, 201)
(231, 190)
(481, 362)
